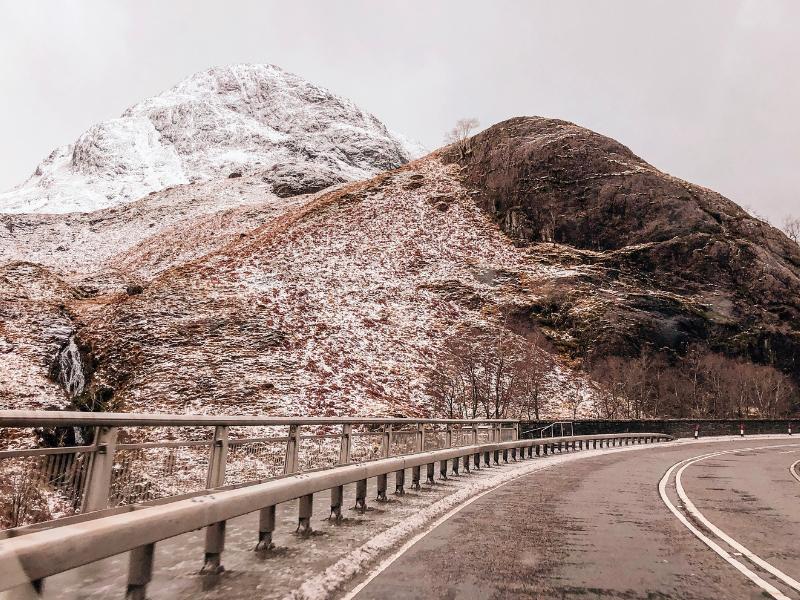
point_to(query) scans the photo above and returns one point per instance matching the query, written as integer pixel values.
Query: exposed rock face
(245, 119)
(684, 263)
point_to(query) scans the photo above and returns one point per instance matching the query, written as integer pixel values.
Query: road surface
(599, 528)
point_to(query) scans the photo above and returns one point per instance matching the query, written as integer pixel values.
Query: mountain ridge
(239, 119)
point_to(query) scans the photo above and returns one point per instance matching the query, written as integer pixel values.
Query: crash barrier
(32, 555)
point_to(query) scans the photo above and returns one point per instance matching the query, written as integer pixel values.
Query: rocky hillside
(226, 121)
(663, 262)
(340, 302)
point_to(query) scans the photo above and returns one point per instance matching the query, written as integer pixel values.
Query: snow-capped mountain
(242, 119)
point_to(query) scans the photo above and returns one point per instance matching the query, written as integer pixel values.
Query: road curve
(598, 528)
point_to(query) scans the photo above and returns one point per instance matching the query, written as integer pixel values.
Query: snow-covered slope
(242, 119)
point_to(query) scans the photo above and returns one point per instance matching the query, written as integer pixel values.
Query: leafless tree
(534, 365)
(791, 227)
(460, 134)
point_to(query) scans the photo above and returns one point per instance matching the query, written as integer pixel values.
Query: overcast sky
(706, 90)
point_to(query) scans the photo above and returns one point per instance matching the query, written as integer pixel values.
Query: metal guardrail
(127, 460)
(26, 560)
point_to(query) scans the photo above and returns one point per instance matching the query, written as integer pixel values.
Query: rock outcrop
(666, 263)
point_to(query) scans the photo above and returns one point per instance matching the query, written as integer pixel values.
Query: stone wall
(673, 427)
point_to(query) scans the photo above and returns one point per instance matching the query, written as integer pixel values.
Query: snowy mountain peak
(241, 119)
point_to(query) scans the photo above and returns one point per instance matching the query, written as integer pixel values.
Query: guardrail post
(448, 437)
(455, 465)
(291, 463)
(382, 487)
(429, 474)
(345, 444)
(400, 482)
(415, 475)
(217, 458)
(419, 441)
(215, 545)
(386, 441)
(442, 469)
(337, 493)
(266, 525)
(100, 469)
(466, 460)
(140, 571)
(476, 460)
(475, 435)
(305, 508)
(487, 461)
(505, 455)
(361, 495)
(538, 450)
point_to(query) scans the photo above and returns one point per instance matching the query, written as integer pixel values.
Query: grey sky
(706, 90)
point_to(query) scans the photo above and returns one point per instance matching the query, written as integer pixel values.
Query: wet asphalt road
(597, 528)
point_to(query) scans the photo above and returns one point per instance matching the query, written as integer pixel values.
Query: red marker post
(741, 429)
(790, 428)
(697, 431)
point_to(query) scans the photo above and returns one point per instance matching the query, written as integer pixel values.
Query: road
(599, 528)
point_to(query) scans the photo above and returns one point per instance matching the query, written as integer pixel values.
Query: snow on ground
(247, 119)
(339, 305)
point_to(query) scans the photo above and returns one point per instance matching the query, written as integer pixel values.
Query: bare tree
(533, 367)
(791, 227)
(460, 134)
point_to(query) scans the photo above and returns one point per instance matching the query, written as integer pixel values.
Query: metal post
(266, 525)
(429, 473)
(475, 434)
(538, 450)
(305, 509)
(361, 495)
(345, 444)
(505, 455)
(448, 437)
(399, 482)
(381, 487)
(486, 460)
(337, 494)
(215, 544)
(497, 457)
(291, 463)
(419, 442)
(465, 459)
(455, 465)
(100, 468)
(415, 475)
(442, 469)
(386, 442)
(140, 571)
(476, 460)
(217, 458)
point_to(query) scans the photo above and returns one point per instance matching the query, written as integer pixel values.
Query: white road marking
(728, 557)
(794, 584)
(794, 469)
